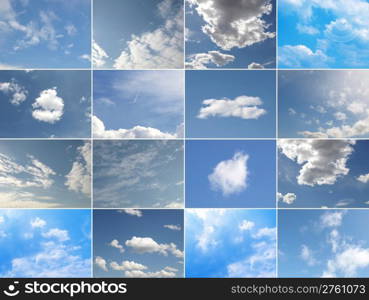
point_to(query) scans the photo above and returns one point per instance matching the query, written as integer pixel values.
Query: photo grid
(172, 138)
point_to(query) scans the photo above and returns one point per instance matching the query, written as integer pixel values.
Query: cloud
(244, 107)
(148, 245)
(246, 225)
(236, 24)
(115, 244)
(255, 65)
(48, 107)
(332, 219)
(167, 272)
(99, 55)
(323, 161)
(38, 223)
(307, 255)
(59, 234)
(266, 232)
(160, 48)
(70, 29)
(100, 262)
(288, 198)
(132, 212)
(79, 177)
(201, 60)
(301, 56)
(127, 266)
(16, 199)
(230, 176)
(17, 93)
(363, 178)
(1, 219)
(172, 227)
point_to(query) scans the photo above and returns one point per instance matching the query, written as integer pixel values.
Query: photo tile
(45, 243)
(230, 104)
(144, 243)
(230, 34)
(323, 243)
(225, 243)
(316, 173)
(135, 34)
(138, 104)
(45, 104)
(336, 106)
(138, 174)
(45, 174)
(230, 174)
(323, 34)
(43, 34)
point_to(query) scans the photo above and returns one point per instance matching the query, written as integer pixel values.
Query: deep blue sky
(17, 119)
(311, 240)
(218, 85)
(143, 224)
(45, 243)
(257, 189)
(230, 243)
(54, 33)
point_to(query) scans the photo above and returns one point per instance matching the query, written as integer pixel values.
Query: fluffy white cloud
(127, 265)
(100, 262)
(332, 219)
(167, 272)
(17, 93)
(133, 212)
(323, 161)
(363, 178)
(234, 24)
(246, 225)
(115, 244)
(38, 223)
(161, 48)
(15, 199)
(230, 176)
(172, 227)
(244, 107)
(148, 245)
(288, 198)
(99, 56)
(255, 65)
(79, 177)
(70, 29)
(59, 234)
(201, 60)
(307, 255)
(266, 232)
(48, 107)
(301, 56)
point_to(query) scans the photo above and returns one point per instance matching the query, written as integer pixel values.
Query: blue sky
(139, 243)
(230, 174)
(138, 104)
(238, 104)
(43, 104)
(240, 34)
(144, 173)
(45, 174)
(323, 243)
(45, 243)
(54, 33)
(323, 34)
(336, 106)
(323, 173)
(138, 34)
(230, 243)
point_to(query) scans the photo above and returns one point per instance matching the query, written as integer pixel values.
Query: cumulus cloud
(17, 93)
(363, 178)
(101, 263)
(160, 48)
(255, 65)
(307, 255)
(48, 107)
(99, 55)
(332, 219)
(202, 60)
(266, 232)
(246, 225)
(38, 223)
(288, 198)
(230, 176)
(79, 177)
(115, 244)
(244, 107)
(167, 272)
(173, 227)
(301, 56)
(234, 24)
(132, 212)
(323, 161)
(59, 234)
(127, 265)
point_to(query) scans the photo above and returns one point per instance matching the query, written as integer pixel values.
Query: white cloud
(79, 177)
(70, 29)
(15, 199)
(301, 56)
(59, 234)
(85, 57)
(115, 244)
(340, 116)
(201, 60)
(323, 161)
(100, 262)
(363, 178)
(99, 55)
(148, 245)
(307, 29)
(38, 223)
(133, 212)
(332, 219)
(288, 198)
(291, 111)
(244, 107)
(255, 65)
(230, 176)
(172, 227)
(160, 48)
(127, 265)
(17, 93)
(48, 107)
(307, 255)
(246, 225)
(266, 232)
(234, 24)
(1, 219)
(167, 272)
